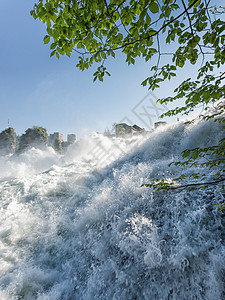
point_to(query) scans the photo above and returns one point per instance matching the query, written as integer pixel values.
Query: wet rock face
(7, 141)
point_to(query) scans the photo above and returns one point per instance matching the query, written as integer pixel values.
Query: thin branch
(159, 54)
(123, 24)
(196, 184)
(209, 18)
(107, 8)
(189, 20)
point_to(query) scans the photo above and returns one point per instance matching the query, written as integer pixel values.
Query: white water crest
(79, 226)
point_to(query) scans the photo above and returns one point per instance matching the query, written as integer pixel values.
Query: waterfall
(79, 226)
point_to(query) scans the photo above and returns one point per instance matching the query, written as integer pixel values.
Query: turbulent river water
(79, 226)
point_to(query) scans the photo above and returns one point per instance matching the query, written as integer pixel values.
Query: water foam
(71, 229)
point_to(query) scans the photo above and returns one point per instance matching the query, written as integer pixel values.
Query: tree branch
(157, 32)
(196, 184)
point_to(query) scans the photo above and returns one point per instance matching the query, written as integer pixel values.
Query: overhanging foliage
(190, 31)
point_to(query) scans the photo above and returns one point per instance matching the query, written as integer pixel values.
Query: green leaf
(52, 53)
(100, 77)
(195, 154)
(153, 6)
(197, 3)
(46, 39)
(103, 55)
(186, 153)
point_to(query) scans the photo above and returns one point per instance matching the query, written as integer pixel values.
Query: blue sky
(43, 91)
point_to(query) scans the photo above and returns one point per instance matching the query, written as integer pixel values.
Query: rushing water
(76, 227)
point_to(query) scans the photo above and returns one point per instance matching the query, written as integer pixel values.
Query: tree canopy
(7, 141)
(33, 137)
(185, 31)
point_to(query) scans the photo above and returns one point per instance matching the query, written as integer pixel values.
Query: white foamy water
(79, 226)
